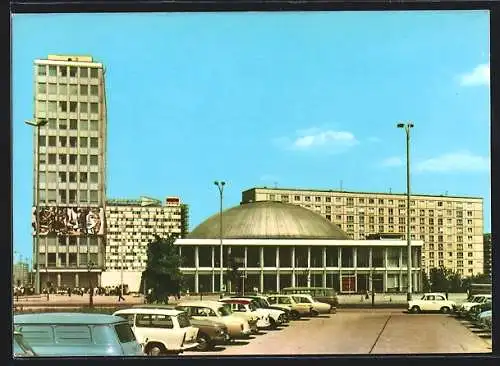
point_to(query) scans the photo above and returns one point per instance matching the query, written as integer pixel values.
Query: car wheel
(294, 314)
(272, 323)
(203, 342)
(445, 310)
(415, 309)
(155, 349)
(314, 312)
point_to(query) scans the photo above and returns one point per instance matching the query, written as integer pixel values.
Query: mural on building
(69, 220)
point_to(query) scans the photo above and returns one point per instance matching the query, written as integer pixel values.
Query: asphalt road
(377, 331)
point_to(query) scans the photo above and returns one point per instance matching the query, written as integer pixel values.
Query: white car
(276, 317)
(161, 331)
(214, 310)
(245, 308)
(297, 309)
(471, 301)
(431, 302)
(317, 307)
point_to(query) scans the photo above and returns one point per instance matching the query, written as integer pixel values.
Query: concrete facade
(70, 94)
(451, 228)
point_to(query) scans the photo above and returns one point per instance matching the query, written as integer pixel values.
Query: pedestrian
(69, 291)
(120, 294)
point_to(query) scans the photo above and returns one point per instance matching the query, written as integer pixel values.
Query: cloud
(462, 161)
(479, 76)
(316, 139)
(392, 162)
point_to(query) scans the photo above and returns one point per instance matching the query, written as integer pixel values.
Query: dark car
(473, 313)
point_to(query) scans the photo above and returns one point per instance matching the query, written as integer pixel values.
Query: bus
(321, 294)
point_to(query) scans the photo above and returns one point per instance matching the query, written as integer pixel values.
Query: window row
(71, 71)
(72, 159)
(72, 177)
(64, 106)
(74, 124)
(64, 89)
(52, 239)
(71, 141)
(70, 196)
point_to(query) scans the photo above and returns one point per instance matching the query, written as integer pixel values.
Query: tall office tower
(70, 169)
(450, 227)
(132, 225)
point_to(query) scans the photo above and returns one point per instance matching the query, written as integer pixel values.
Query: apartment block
(450, 227)
(133, 224)
(20, 274)
(70, 164)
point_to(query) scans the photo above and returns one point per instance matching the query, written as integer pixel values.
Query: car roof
(200, 303)
(237, 301)
(435, 293)
(66, 318)
(147, 310)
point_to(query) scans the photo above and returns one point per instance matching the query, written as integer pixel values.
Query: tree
(426, 285)
(233, 273)
(162, 274)
(438, 279)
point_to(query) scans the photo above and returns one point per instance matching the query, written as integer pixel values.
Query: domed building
(278, 245)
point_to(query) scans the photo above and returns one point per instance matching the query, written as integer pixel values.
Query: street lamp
(37, 124)
(90, 266)
(407, 127)
(220, 185)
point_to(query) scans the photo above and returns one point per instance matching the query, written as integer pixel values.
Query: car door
(439, 302)
(430, 303)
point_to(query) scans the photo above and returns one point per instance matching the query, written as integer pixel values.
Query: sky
(288, 99)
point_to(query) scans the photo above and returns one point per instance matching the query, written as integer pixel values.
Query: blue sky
(297, 99)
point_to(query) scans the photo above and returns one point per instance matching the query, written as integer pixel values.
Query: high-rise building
(20, 274)
(132, 225)
(70, 95)
(487, 253)
(450, 227)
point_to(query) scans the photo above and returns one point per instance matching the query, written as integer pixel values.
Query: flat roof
(66, 318)
(360, 192)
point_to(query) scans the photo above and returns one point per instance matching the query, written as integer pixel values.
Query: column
(196, 281)
(261, 255)
(58, 280)
(324, 267)
(77, 280)
(385, 281)
(339, 264)
(293, 266)
(196, 265)
(277, 268)
(400, 269)
(355, 264)
(309, 266)
(99, 279)
(385, 269)
(213, 270)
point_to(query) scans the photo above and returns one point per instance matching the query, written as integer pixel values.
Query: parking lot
(353, 331)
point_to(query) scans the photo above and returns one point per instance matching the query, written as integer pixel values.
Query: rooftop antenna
(390, 190)
(275, 185)
(341, 181)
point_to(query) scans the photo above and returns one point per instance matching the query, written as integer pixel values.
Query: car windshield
(285, 300)
(252, 306)
(183, 320)
(301, 299)
(224, 310)
(264, 303)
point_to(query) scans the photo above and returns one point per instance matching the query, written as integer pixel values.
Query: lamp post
(407, 127)
(220, 185)
(37, 124)
(91, 287)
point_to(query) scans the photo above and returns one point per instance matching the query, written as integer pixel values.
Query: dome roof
(268, 220)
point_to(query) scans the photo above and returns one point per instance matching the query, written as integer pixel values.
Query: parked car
(485, 319)
(162, 331)
(318, 307)
(214, 310)
(276, 316)
(210, 332)
(262, 300)
(21, 348)
(296, 309)
(462, 309)
(77, 334)
(244, 308)
(321, 294)
(430, 302)
(476, 310)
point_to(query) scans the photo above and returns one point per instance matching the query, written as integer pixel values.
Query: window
(73, 141)
(63, 89)
(94, 196)
(154, 321)
(42, 88)
(440, 204)
(83, 159)
(380, 220)
(307, 198)
(51, 195)
(124, 333)
(62, 159)
(94, 127)
(52, 70)
(94, 142)
(93, 73)
(84, 125)
(328, 199)
(63, 71)
(52, 157)
(42, 70)
(93, 159)
(84, 72)
(381, 211)
(83, 196)
(84, 142)
(63, 141)
(72, 334)
(73, 90)
(73, 106)
(83, 177)
(381, 201)
(94, 90)
(62, 124)
(470, 254)
(72, 195)
(94, 108)
(53, 108)
(63, 106)
(93, 177)
(371, 201)
(84, 107)
(72, 159)
(361, 200)
(73, 124)
(41, 141)
(73, 71)
(62, 196)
